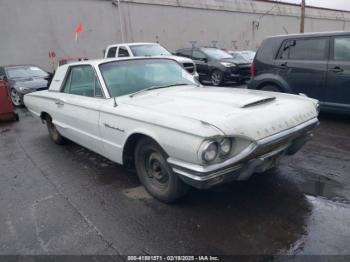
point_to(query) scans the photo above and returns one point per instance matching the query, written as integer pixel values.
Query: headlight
(210, 151)
(318, 107)
(227, 64)
(23, 89)
(225, 146)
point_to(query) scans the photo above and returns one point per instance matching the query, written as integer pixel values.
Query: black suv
(317, 65)
(216, 65)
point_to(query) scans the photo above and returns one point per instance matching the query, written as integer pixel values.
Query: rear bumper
(258, 157)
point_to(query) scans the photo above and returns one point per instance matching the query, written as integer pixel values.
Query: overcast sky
(336, 4)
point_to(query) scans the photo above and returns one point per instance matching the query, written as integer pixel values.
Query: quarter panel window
(112, 52)
(342, 49)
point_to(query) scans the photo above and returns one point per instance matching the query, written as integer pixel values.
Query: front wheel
(155, 173)
(56, 137)
(16, 98)
(217, 78)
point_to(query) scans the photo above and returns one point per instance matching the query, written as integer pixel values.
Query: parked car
(151, 115)
(317, 65)
(247, 55)
(217, 66)
(148, 49)
(24, 79)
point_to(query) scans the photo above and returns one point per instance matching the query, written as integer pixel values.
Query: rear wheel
(56, 137)
(155, 173)
(271, 88)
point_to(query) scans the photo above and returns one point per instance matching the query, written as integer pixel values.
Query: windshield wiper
(158, 87)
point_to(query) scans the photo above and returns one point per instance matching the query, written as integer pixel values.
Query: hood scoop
(258, 102)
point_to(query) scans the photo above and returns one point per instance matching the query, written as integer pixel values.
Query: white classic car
(152, 115)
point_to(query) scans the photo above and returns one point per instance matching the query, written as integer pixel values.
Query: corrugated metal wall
(29, 29)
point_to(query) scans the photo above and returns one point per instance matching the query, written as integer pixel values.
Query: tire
(155, 174)
(217, 78)
(55, 136)
(271, 88)
(16, 98)
(16, 117)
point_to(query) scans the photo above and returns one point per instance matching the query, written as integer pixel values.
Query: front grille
(244, 70)
(189, 67)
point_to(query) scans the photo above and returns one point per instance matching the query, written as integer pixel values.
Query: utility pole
(302, 18)
(120, 20)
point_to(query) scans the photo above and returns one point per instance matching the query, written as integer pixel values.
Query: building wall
(29, 29)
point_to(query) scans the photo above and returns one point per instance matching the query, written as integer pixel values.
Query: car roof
(97, 62)
(133, 44)
(8, 66)
(314, 34)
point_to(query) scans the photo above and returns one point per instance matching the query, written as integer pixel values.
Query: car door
(338, 75)
(78, 107)
(201, 61)
(302, 64)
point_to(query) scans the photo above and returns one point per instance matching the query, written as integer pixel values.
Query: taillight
(252, 70)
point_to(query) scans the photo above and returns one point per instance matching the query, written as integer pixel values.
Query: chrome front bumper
(258, 157)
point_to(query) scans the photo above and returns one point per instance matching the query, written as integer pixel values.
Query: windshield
(149, 50)
(25, 72)
(215, 53)
(128, 77)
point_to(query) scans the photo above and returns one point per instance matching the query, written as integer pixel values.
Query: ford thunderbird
(151, 115)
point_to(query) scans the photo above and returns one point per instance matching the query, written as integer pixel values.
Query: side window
(112, 52)
(123, 52)
(197, 55)
(308, 49)
(284, 52)
(185, 53)
(2, 72)
(341, 49)
(82, 81)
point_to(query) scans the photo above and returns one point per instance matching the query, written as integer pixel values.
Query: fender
(263, 79)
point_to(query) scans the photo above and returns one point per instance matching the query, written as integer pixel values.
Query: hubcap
(156, 170)
(16, 99)
(216, 78)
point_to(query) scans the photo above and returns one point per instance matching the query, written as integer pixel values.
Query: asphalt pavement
(68, 200)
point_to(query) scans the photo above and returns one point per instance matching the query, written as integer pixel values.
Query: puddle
(324, 187)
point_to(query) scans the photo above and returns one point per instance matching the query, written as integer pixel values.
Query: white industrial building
(30, 29)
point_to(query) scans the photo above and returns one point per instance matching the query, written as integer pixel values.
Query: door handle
(283, 66)
(336, 69)
(59, 102)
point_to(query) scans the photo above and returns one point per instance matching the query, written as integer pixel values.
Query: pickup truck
(148, 49)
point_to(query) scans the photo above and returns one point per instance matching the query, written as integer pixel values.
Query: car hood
(236, 112)
(236, 61)
(32, 82)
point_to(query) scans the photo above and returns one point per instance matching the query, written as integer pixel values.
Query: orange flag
(78, 30)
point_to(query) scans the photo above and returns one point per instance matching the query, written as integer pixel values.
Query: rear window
(304, 49)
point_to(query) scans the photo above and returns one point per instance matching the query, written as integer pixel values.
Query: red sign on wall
(52, 54)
